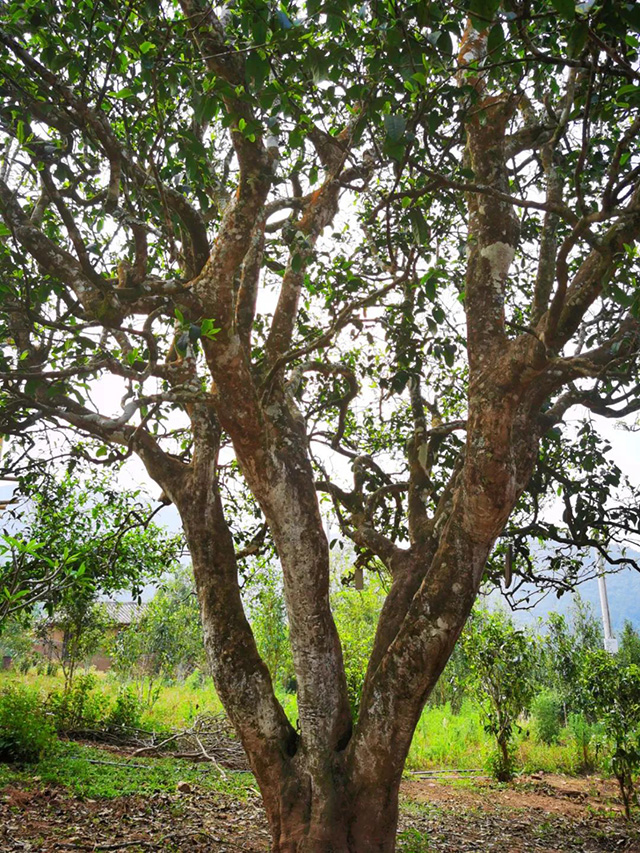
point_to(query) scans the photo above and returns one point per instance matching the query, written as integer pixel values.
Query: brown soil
(572, 797)
(51, 820)
(541, 814)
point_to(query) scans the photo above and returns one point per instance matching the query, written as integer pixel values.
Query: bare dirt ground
(541, 814)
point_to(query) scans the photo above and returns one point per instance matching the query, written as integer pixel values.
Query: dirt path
(549, 814)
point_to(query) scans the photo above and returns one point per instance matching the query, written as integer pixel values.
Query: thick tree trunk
(346, 820)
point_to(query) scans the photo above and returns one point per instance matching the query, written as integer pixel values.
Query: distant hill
(623, 591)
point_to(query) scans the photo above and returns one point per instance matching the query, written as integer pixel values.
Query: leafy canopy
(126, 140)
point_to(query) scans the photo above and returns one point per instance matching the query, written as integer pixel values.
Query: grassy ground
(93, 773)
(82, 798)
(442, 739)
(176, 705)
(446, 740)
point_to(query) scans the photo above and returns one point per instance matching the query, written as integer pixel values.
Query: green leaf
(399, 381)
(577, 39)
(631, 14)
(127, 92)
(146, 46)
(565, 8)
(257, 69)
(208, 329)
(4, 230)
(483, 12)
(394, 126)
(495, 42)
(419, 227)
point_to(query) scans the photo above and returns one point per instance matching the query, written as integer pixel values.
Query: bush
(583, 734)
(546, 711)
(611, 691)
(126, 711)
(79, 707)
(502, 762)
(26, 732)
(502, 668)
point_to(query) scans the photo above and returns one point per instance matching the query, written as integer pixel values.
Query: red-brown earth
(539, 814)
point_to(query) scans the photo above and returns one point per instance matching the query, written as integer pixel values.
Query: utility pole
(610, 642)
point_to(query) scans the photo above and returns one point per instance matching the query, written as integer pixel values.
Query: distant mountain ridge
(623, 592)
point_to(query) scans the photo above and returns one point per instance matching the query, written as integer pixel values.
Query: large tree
(274, 227)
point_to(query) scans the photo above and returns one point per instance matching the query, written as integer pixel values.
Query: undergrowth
(94, 773)
(443, 740)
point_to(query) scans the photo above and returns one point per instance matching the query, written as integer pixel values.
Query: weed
(412, 841)
(94, 773)
(443, 739)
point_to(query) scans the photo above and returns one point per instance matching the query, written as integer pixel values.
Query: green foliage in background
(547, 713)
(165, 642)
(78, 540)
(83, 625)
(586, 734)
(566, 643)
(356, 613)
(629, 649)
(502, 679)
(16, 642)
(611, 691)
(267, 613)
(78, 706)
(27, 733)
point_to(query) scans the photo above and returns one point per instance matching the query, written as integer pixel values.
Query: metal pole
(610, 642)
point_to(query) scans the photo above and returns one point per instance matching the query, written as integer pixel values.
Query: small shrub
(502, 668)
(79, 707)
(611, 691)
(546, 711)
(502, 762)
(196, 680)
(126, 711)
(26, 733)
(582, 734)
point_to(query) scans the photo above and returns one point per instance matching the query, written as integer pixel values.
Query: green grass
(412, 841)
(72, 767)
(443, 740)
(446, 740)
(177, 705)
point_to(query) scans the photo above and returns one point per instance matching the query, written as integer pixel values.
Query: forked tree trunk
(330, 787)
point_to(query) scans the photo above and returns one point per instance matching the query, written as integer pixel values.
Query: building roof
(123, 612)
